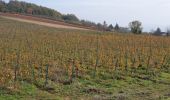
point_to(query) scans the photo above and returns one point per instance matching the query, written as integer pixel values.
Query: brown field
(39, 62)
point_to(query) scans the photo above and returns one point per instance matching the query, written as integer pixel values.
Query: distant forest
(14, 6)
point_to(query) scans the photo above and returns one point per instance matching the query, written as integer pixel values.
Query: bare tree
(117, 27)
(104, 26)
(168, 32)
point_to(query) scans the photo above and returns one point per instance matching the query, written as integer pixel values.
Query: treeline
(14, 6)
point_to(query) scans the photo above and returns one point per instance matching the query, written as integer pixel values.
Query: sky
(152, 13)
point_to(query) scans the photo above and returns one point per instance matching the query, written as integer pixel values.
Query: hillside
(43, 21)
(40, 63)
(24, 8)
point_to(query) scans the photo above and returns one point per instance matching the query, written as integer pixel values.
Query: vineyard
(42, 62)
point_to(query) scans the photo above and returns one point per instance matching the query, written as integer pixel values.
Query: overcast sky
(152, 13)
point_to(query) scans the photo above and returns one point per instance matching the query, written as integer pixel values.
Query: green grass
(127, 89)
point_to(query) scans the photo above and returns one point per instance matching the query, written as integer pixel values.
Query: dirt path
(43, 23)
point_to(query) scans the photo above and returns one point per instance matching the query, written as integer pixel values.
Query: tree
(158, 31)
(104, 26)
(29, 11)
(70, 17)
(88, 23)
(3, 7)
(110, 28)
(117, 27)
(136, 27)
(168, 32)
(15, 6)
(99, 26)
